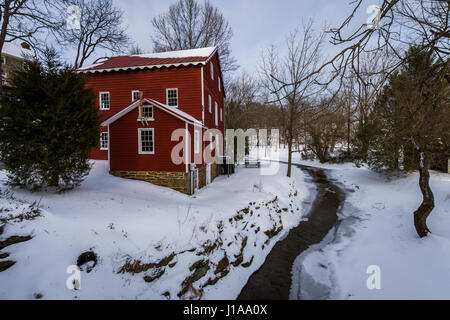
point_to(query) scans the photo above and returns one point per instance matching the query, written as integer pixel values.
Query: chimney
(141, 106)
(25, 45)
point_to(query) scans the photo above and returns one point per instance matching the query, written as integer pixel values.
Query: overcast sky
(256, 23)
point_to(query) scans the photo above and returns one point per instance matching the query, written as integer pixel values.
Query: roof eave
(155, 66)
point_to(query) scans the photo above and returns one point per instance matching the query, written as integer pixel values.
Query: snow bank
(376, 228)
(125, 220)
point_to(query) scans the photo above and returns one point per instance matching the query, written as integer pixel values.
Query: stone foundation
(179, 181)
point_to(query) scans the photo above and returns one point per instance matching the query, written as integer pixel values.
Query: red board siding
(124, 143)
(97, 153)
(211, 87)
(123, 139)
(154, 83)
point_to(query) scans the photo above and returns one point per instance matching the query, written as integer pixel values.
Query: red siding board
(124, 143)
(123, 139)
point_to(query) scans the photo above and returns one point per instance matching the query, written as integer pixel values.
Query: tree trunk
(289, 157)
(427, 205)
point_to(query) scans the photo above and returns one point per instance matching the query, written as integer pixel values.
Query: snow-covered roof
(14, 50)
(171, 110)
(201, 52)
(153, 60)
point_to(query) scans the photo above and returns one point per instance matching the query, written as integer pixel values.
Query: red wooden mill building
(143, 99)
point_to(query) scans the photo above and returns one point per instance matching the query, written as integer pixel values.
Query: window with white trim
(219, 84)
(210, 104)
(196, 141)
(146, 140)
(135, 95)
(172, 97)
(104, 100)
(147, 110)
(216, 114)
(104, 141)
(221, 115)
(211, 67)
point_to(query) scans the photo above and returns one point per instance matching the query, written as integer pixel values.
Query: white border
(101, 140)
(140, 142)
(167, 97)
(132, 95)
(100, 100)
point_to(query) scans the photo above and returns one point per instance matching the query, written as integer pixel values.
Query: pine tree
(410, 124)
(49, 124)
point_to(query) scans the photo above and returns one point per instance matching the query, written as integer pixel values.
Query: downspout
(203, 96)
(109, 150)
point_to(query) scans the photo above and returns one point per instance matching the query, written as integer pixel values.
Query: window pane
(104, 100)
(148, 111)
(104, 140)
(147, 140)
(172, 97)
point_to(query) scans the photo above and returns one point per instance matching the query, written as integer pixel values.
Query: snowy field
(203, 246)
(376, 229)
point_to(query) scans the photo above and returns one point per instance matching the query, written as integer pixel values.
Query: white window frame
(100, 100)
(196, 141)
(132, 95)
(216, 113)
(140, 140)
(101, 140)
(219, 84)
(221, 115)
(167, 97)
(211, 67)
(210, 103)
(141, 117)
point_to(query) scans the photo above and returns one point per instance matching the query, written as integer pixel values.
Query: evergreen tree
(48, 126)
(409, 124)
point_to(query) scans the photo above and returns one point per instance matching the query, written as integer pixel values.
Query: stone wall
(179, 181)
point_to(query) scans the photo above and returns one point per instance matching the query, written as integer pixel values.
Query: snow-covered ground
(125, 220)
(376, 229)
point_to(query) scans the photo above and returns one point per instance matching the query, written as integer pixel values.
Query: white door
(208, 173)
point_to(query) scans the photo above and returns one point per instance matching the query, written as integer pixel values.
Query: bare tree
(189, 24)
(136, 49)
(100, 28)
(241, 93)
(286, 80)
(324, 125)
(24, 19)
